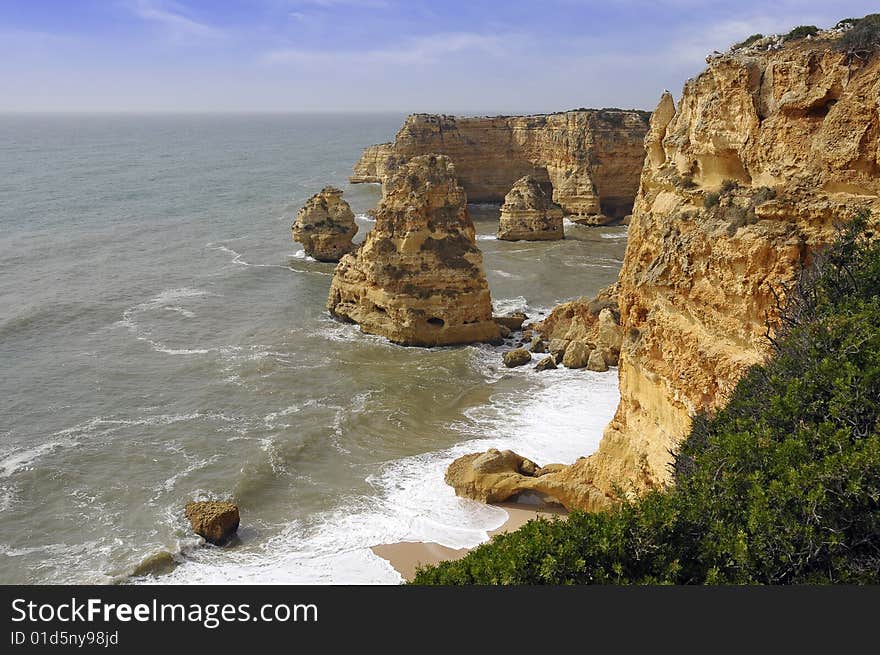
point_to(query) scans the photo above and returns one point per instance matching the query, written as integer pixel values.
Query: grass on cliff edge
(781, 486)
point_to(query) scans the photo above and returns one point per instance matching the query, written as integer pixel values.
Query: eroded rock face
(742, 183)
(325, 226)
(577, 328)
(499, 475)
(528, 214)
(216, 521)
(591, 158)
(418, 278)
(374, 164)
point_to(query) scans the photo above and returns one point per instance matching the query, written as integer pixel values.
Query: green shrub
(863, 38)
(781, 486)
(801, 32)
(711, 200)
(746, 43)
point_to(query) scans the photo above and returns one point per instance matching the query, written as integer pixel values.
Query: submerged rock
(418, 278)
(516, 357)
(325, 226)
(216, 521)
(529, 214)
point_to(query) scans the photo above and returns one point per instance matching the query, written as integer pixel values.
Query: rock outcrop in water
(581, 327)
(216, 521)
(590, 159)
(325, 226)
(418, 278)
(767, 149)
(528, 214)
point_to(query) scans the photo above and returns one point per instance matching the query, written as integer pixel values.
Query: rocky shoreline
(731, 192)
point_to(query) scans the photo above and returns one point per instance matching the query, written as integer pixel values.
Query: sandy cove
(406, 556)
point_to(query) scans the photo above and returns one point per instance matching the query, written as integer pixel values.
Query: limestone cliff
(418, 278)
(325, 226)
(590, 159)
(767, 150)
(374, 164)
(528, 214)
(742, 183)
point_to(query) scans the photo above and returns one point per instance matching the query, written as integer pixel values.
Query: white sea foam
(238, 258)
(181, 310)
(16, 460)
(487, 237)
(167, 300)
(617, 236)
(365, 217)
(502, 306)
(559, 422)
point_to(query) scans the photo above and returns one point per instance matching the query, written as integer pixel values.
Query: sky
(507, 56)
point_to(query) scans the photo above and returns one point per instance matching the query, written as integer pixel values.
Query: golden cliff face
(768, 148)
(590, 158)
(418, 277)
(373, 165)
(766, 151)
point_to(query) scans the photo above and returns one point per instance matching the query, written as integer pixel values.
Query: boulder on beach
(216, 521)
(496, 475)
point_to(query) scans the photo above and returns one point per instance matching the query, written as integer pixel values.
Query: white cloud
(412, 51)
(172, 17)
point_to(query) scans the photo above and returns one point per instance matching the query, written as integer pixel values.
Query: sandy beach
(406, 556)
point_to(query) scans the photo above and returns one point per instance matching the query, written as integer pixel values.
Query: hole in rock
(436, 322)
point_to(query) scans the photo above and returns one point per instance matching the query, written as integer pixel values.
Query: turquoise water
(162, 339)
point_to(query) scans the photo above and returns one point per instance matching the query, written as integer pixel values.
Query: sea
(162, 339)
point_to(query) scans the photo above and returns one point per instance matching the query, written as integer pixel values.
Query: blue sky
(371, 55)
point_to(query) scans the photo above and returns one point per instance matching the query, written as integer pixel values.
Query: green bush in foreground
(781, 486)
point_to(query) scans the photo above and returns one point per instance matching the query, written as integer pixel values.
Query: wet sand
(407, 555)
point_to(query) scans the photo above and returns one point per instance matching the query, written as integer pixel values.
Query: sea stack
(529, 214)
(325, 226)
(418, 278)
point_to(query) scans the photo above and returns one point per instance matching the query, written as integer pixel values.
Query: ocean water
(162, 340)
